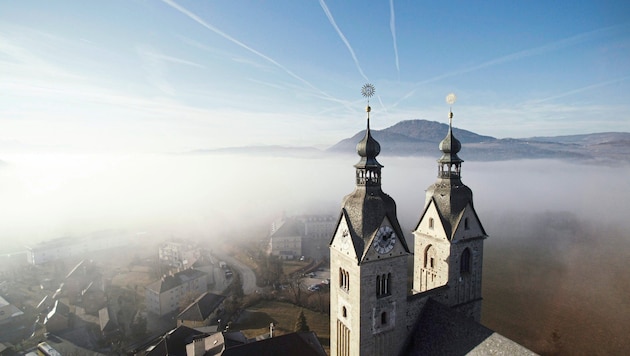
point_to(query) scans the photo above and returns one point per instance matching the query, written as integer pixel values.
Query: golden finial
(450, 99)
(367, 91)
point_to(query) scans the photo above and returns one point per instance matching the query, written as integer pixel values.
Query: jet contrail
(392, 28)
(243, 45)
(343, 38)
(586, 88)
(554, 46)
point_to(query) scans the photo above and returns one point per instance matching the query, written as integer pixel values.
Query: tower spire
(368, 253)
(449, 165)
(368, 170)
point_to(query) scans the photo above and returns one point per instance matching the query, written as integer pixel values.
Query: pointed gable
(202, 307)
(468, 225)
(431, 222)
(400, 246)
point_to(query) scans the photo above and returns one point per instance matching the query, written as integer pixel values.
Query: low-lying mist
(50, 195)
(554, 263)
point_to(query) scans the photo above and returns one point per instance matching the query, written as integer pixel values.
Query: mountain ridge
(422, 137)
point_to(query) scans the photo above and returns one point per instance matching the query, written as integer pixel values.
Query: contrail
(243, 45)
(392, 28)
(586, 88)
(343, 38)
(554, 46)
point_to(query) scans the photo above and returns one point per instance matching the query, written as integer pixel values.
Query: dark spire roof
(368, 148)
(450, 146)
(451, 196)
(367, 207)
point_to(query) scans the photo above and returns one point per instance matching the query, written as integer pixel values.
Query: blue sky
(172, 76)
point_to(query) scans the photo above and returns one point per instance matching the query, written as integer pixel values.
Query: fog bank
(50, 195)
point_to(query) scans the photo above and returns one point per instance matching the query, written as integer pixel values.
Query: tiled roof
(302, 344)
(202, 307)
(174, 342)
(290, 228)
(105, 320)
(169, 282)
(441, 330)
(75, 270)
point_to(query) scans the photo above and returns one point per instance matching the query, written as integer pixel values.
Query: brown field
(559, 285)
(289, 267)
(256, 319)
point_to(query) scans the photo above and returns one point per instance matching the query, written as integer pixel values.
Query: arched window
(383, 286)
(429, 257)
(383, 318)
(341, 277)
(344, 279)
(344, 312)
(466, 225)
(430, 223)
(464, 263)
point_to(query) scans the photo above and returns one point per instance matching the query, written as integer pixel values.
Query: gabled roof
(458, 220)
(174, 342)
(13, 311)
(450, 199)
(216, 343)
(105, 320)
(364, 214)
(290, 228)
(302, 344)
(76, 269)
(59, 309)
(441, 330)
(44, 304)
(169, 282)
(202, 307)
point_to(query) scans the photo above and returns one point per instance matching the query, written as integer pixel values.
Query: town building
(202, 311)
(303, 235)
(8, 312)
(107, 323)
(164, 295)
(58, 319)
(65, 247)
(372, 310)
(286, 240)
(179, 254)
(192, 342)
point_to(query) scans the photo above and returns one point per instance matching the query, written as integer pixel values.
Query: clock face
(384, 240)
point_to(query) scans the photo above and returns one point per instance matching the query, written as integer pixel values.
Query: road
(247, 275)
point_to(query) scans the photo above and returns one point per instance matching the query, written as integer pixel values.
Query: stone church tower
(372, 312)
(368, 265)
(449, 237)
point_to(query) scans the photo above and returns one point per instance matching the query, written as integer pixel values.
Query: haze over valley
(210, 124)
(543, 216)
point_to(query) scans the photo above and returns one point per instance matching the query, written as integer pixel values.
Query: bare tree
(295, 287)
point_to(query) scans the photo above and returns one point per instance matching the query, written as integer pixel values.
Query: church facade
(372, 310)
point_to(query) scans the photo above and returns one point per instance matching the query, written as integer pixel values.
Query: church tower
(368, 263)
(449, 237)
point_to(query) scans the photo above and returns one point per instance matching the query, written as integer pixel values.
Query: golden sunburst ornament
(451, 98)
(367, 90)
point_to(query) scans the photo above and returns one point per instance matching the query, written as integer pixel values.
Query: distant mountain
(422, 137)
